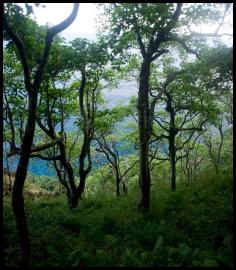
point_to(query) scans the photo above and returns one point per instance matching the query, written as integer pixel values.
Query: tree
(182, 115)
(191, 159)
(214, 143)
(32, 87)
(57, 105)
(60, 103)
(108, 143)
(91, 59)
(153, 27)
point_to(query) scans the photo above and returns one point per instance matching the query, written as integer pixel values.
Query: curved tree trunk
(27, 139)
(21, 172)
(85, 151)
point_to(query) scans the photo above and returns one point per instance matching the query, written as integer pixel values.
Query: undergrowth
(189, 227)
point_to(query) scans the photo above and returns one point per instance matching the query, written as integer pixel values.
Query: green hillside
(191, 227)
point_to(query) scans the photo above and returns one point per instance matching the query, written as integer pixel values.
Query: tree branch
(159, 53)
(163, 127)
(184, 45)
(48, 41)
(58, 157)
(139, 38)
(21, 49)
(128, 169)
(17, 151)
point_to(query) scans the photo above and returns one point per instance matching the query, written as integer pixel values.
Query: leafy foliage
(191, 227)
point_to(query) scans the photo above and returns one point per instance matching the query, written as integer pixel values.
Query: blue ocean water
(36, 166)
(120, 95)
(43, 168)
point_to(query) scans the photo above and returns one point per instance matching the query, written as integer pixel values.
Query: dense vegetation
(145, 183)
(191, 227)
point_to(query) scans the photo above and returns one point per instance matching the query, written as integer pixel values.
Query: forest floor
(190, 227)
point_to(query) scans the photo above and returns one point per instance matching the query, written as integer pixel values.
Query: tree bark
(144, 119)
(172, 133)
(21, 172)
(172, 153)
(144, 135)
(85, 151)
(219, 149)
(125, 187)
(117, 187)
(118, 180)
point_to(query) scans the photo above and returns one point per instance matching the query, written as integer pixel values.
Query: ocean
(118, 96)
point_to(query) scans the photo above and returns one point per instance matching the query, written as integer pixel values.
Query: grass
(189, 227)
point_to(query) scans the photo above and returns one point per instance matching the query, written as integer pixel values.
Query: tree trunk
(118, 180)
(219, 149)
(21, 172)
(172, 154)
(21, 224)
(181, 171)
(85, 151)
(27, 140)
(187, 170)
(144, 135)
(124, 187)
(75, 196)
(117, 187)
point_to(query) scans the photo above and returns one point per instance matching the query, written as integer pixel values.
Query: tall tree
(32, 85)
(90, 61)
(153, 28)
(183, 114)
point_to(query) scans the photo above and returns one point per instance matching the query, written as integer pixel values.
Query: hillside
(191, 227)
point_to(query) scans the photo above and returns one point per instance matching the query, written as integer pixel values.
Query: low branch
(191, 147)
(45, 158)
(159, 53)
(182, 42)
(128, 169)
(17, 151)
(209, 34)
(156, 158)
(159, 137)
(163, 127)
(156, 164)
(152, 109)
(44, 129)
(182, 146)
